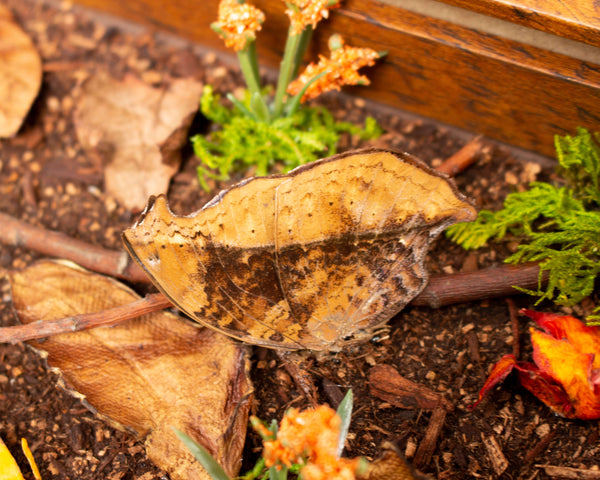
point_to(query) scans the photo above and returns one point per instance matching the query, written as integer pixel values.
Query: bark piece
(137, 132)
(146, 375)
(387, 384)
(495, 455)
(429, 442)
(568, 472)
(20, 74)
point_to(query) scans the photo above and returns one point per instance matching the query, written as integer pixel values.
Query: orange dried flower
(303, 13)
(310, 438)
(339, 70)
(566, 373)
(238, 23)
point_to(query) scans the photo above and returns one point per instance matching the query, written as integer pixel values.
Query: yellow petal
(30, 459)
(9, 470)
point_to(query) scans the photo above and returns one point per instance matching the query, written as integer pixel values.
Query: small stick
(55, 244)
(105, 318)
(441, 290)
(465, 157)
(514, 324)
(540, 447)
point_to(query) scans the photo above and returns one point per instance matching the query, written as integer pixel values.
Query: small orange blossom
(309, 438)
(303, 13)
(339, 70)
(238, 23)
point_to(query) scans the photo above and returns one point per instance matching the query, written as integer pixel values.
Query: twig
(463, 158)
(514, 324)
(55, 244)
(105, 318)
(540, 447)
(429, 442)
(485, 283)
(442, 289)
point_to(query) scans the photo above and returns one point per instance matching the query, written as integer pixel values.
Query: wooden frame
(503, 88)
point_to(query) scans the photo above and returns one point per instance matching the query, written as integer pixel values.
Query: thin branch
(105, 318)
(442, 290)
(471, 286)
(465, 157)
(55, 244)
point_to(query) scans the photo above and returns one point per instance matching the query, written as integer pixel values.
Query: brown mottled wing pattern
(314, 259)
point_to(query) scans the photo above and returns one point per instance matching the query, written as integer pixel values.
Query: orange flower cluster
(566, 372)
(303, 13)
(339, 70)
(238, 23)
(310, 438)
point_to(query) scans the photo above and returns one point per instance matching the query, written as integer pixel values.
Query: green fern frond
(559, 226)
(579, 160)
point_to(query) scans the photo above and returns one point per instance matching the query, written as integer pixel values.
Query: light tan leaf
(137, 131)
(146, 375)
(20, 74)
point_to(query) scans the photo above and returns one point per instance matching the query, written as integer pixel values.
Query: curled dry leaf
(20, 74)
(566, 372)
(137, 132)
(146, 375)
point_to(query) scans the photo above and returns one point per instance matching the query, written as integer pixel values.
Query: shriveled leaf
(565, 373)
(146, 375)
(137, 131)
(20, 74)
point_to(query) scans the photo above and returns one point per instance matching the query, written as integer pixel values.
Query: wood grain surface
(579, 20)
(504, 89)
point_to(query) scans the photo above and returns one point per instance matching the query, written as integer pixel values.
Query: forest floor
(46, 179)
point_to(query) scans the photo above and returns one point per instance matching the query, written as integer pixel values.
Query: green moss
(244, 141)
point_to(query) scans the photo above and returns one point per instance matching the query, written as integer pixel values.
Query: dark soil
(47, 180)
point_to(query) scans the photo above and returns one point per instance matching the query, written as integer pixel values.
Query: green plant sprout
(261, 129)
(307, 443)
(559, 225)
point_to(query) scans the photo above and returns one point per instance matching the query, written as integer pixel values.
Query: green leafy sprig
(244, 143)
(261, 130)
(559, 226)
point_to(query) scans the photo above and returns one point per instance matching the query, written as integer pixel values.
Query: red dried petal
(499, 372)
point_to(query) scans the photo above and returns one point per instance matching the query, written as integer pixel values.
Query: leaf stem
(249, 66)
(295, 46)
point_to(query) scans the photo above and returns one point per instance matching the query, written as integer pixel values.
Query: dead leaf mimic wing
(313, 259)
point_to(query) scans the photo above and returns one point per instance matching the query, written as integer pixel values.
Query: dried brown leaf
(146, 375)
(20, 74)
(137, 132)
